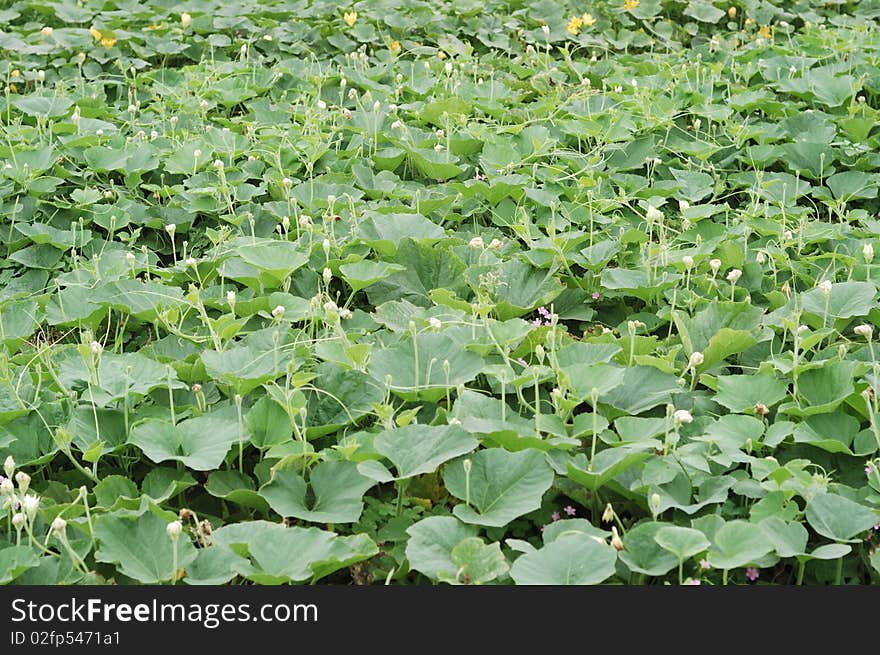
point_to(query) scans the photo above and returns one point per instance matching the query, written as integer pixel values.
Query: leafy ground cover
(459, 292)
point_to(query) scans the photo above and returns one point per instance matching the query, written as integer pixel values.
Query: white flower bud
(305, 221)
(825, 286)
(802, 328)
(325, 245)
(95, 347)
(476, 242)
(435, 323)
(715, 265)
(59, 525)
(734, 275)
(29, 504)
(278, 312)
(653, 214)
(41, 75)
(174, 529)
(683, 204)
(7, 488)
(616, 541)
(171, 228)
(345, 314)
(760, 258)
(327, 274)
(218, 164)
(396, 125)
(864, 330)
(9, 466)
(868, 252)
(18, 520)
(330, 306)
(496, 244)
(185, 19)
(132, 109)
(682, 416)
(545, 29)
(322, 104)
(47, 31)
(197, 153)
(23, 480)
(696, 359)
(688, 262)
(190, 261)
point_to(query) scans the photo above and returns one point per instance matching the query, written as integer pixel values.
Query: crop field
(456, 292)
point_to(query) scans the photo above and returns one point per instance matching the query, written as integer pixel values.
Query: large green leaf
(141, 547)
(200, 443)
(431, 542)
(839, 518)
(417, 449)
(738, 543)
(572, 559)
(501, 485)
(333, 494)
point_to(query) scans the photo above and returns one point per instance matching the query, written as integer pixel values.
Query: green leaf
(641, 552)
(200, 443)
(141, 547)
(430, 545)
(417, 449)
(572, 559)
(476, 562)
(681, 542)
(15, 560)
(740, 393)
(738, 543)
(846, 300)
(501, 486)
(333, 494)
(839, 518)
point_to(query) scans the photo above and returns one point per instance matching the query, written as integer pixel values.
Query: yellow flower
(441, 54)
(108, 41)
(95, 33)
(574, 25)
(731, 11)
(394, 47)
(588, 20)
(350, 17)
(629, 5)
(15, 73)
(765, 32)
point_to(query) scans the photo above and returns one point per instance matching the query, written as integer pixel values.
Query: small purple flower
(537, 322)
(543, 312)
(595, 295)
(877, 527)
(439, 180)
(479, 176)
(555, 516)
(568, 509)
(691, 581)
(543, 526)
(522, 362)
(704, 564)
(867, 470)
(752, 573)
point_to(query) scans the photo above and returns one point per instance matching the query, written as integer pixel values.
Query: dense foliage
(462, 292)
